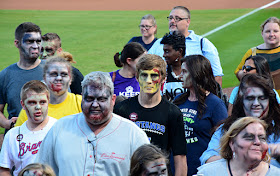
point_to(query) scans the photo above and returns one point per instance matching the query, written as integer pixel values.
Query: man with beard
(179, 20)
(95, 142)
(29, 67)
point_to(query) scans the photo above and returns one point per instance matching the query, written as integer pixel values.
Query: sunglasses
(248, 68)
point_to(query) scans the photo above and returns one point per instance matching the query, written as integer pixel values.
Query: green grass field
(94, 36)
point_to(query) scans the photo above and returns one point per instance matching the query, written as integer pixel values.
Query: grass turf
(94, 36)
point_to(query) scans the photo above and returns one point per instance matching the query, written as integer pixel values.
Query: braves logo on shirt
(133, 116)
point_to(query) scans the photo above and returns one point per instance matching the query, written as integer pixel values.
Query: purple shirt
(128, 87)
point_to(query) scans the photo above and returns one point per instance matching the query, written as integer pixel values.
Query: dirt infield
(130, 4)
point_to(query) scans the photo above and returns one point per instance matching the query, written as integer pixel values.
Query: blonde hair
(270, 20)
(67, 56)
(46, 169)
(233, 131)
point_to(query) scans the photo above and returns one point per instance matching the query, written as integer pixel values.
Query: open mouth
(38, 114)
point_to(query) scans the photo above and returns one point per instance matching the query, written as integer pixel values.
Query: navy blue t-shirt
(139, 40)
(197, 131)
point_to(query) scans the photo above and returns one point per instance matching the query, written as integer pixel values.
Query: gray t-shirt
(12, 79)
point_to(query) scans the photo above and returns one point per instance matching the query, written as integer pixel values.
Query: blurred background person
(37, 169)
(51, 46)
(202, 109)
(244, 151)
(148, 159)
(125, 83)
(270, 49)
(174, 48)
(253, 65)
(58, 76)
(148, 29)
(255, 98)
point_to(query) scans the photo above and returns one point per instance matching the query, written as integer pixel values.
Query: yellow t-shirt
(272, 56)
(71, 105)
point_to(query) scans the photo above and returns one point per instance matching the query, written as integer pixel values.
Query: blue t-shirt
(128, 87)
(197, 131)
(139, 40)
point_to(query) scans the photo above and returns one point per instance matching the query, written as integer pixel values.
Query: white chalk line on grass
(240, 18)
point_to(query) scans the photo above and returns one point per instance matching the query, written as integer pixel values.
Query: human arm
(5, 171)
(210, 52)
(180, 163)
(213, 150)
(232, 99)
(238, 71)
(4, 122)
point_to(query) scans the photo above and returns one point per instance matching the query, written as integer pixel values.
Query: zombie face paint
(36, 106)
(33, 172)
(255, 102)
(250, 144)
(97, 105)
(48, 49)
(156, 168)
(58, 78)
(149, 80)
(186, 77)
(30, 45)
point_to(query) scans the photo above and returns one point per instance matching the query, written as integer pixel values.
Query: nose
(59, 77)
(256, 102)
(35, 44)
(257, 141)
(181, 77)
(37, 107)
(44, 53)
(149, 79)
(94, 103)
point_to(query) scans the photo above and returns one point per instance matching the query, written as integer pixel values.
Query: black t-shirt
(163, 123)
(78, 77)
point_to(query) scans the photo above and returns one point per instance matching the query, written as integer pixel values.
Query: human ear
(16, 43)
(22, 105)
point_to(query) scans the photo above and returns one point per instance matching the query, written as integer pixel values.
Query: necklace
(229, 169)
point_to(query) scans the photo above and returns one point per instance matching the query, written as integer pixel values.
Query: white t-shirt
(20, 146)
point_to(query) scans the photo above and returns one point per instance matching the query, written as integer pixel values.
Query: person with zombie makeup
(29, 67)
(270, 50)
(253, 65)
(179, 20)
(147, 160)
(148, 29)
(202, 109)
(96, 141)
(160, 119)
(255, 98)
(244, 151)
(51, 46)
(21, 144)
(174, 50)
(37, 169)
(58, 76)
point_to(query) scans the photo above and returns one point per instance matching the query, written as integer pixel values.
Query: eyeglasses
(248, 68)
(176, 18)
(147, 27)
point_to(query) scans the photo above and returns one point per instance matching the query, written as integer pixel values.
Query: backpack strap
(254, 51)
(201, 41)
(114, 76)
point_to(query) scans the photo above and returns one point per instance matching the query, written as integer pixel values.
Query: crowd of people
(161, 113)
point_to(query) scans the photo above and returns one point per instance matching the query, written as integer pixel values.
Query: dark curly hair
(202, 80)
(273, 116)
(175, 39)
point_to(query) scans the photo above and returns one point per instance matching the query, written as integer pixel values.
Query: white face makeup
(30, 45)
(156, 168)
(186, 77)
(250, 144)
(48, 49)
(255, 102)
(58, 78)
(36, 106)
(97, 105)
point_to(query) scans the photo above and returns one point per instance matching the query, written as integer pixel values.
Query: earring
(233, 155)
(177, 59)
